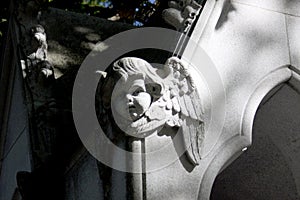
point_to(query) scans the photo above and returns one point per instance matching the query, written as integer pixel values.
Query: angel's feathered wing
(190, 113)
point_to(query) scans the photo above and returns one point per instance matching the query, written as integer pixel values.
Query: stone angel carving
(147, 99)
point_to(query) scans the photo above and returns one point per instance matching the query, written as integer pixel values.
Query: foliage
(136, 12)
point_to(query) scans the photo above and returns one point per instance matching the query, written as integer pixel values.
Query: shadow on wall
(71, 36)
(224, 17)
(270, 168)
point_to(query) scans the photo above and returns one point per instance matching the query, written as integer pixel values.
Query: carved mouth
(133, 112)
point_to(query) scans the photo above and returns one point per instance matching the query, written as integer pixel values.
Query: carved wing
(187, 103)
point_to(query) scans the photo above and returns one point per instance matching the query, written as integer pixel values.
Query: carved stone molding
(236, 145)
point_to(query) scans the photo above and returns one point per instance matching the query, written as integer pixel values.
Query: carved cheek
(120, 106)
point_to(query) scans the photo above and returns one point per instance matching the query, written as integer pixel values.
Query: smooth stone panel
(246, 44)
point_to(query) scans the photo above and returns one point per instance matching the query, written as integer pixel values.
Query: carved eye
(137, 91)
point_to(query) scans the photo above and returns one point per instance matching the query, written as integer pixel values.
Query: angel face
(135, 97)
(130, 99)
(134, 107)
(145, 99)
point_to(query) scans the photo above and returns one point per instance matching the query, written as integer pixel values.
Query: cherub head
(138, 87)
(146, 99)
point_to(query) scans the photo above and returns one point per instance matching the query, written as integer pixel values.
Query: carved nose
(129, 98)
